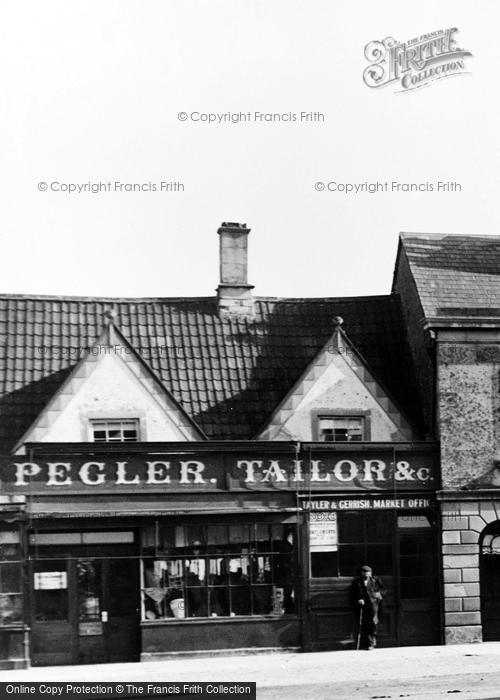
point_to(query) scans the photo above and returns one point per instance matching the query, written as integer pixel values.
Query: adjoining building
(203, 474)
(450, 286)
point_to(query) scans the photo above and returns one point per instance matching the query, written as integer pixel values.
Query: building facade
(450, 291)
(192, 475)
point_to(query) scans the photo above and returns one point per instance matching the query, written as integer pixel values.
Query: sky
(93, 91)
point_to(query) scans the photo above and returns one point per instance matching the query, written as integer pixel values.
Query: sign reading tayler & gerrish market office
(377, 469)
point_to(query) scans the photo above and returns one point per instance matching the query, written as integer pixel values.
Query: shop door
(490, 597)
(85, 610)
(418, 588)
(108, 610)
(490, 584)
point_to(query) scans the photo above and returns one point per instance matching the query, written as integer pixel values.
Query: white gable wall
(112, 390)
(336, 390)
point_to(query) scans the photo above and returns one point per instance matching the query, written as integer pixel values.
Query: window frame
(230, 551)
(13, 598)
(320, 414)
(92, 421)
(365, 542)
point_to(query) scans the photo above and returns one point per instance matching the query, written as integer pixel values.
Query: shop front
(162, 585)
(140, 553)
(398, 538)
(386, 517)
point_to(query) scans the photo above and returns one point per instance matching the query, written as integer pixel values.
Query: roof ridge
(417, 234)
(118, 300)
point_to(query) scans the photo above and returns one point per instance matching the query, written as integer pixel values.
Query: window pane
(196, 571)
(89, 591)
(282, 566)
(196, 602)
(351, 526)
(408, 545)
(239, 535)
(218, 597)
(240, 600)
(278, 535)
(263, 537)
(115, 431)
(11, 608)
(420, 587)
(379, 528)
(415, 565)
(217, 536)
(10, 578)
(262, 600)
(9, 551)
(196, 537)
(379, 557)
(351, 557)
(340, 434)
(324, 564)
(340, 429)
(261, 569)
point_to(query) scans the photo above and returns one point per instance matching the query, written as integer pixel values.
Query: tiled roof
(228, 374)
(457, 277)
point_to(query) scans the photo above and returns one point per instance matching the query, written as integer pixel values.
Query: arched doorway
(490, 581)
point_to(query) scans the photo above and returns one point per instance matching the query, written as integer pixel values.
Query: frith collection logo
(415, 63)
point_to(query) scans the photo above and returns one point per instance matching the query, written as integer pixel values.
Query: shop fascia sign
(382, 503)
(337, 470)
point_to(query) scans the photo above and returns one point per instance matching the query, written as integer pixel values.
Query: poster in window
(323, 532)
(50, 580)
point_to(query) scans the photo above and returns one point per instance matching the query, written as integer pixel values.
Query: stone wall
(462, 524)
(468, 398)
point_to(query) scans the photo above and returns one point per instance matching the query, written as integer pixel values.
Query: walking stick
(359, 627)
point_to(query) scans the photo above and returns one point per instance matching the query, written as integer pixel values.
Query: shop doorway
(418, 582)
(490, 582)
(85, 609)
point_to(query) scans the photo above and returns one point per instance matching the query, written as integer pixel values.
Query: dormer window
(115, 430)
(341, 428)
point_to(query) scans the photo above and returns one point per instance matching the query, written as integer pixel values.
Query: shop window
(340, 429)
(10, 578)
(361, 538)
(218, 570)
(115, 430)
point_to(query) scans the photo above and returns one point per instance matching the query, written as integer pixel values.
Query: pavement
(465, 672)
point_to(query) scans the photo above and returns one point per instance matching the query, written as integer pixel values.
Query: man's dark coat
(372, 594)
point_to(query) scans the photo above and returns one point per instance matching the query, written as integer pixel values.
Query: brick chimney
(234, 294)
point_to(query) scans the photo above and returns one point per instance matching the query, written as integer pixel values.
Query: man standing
(366, 595)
